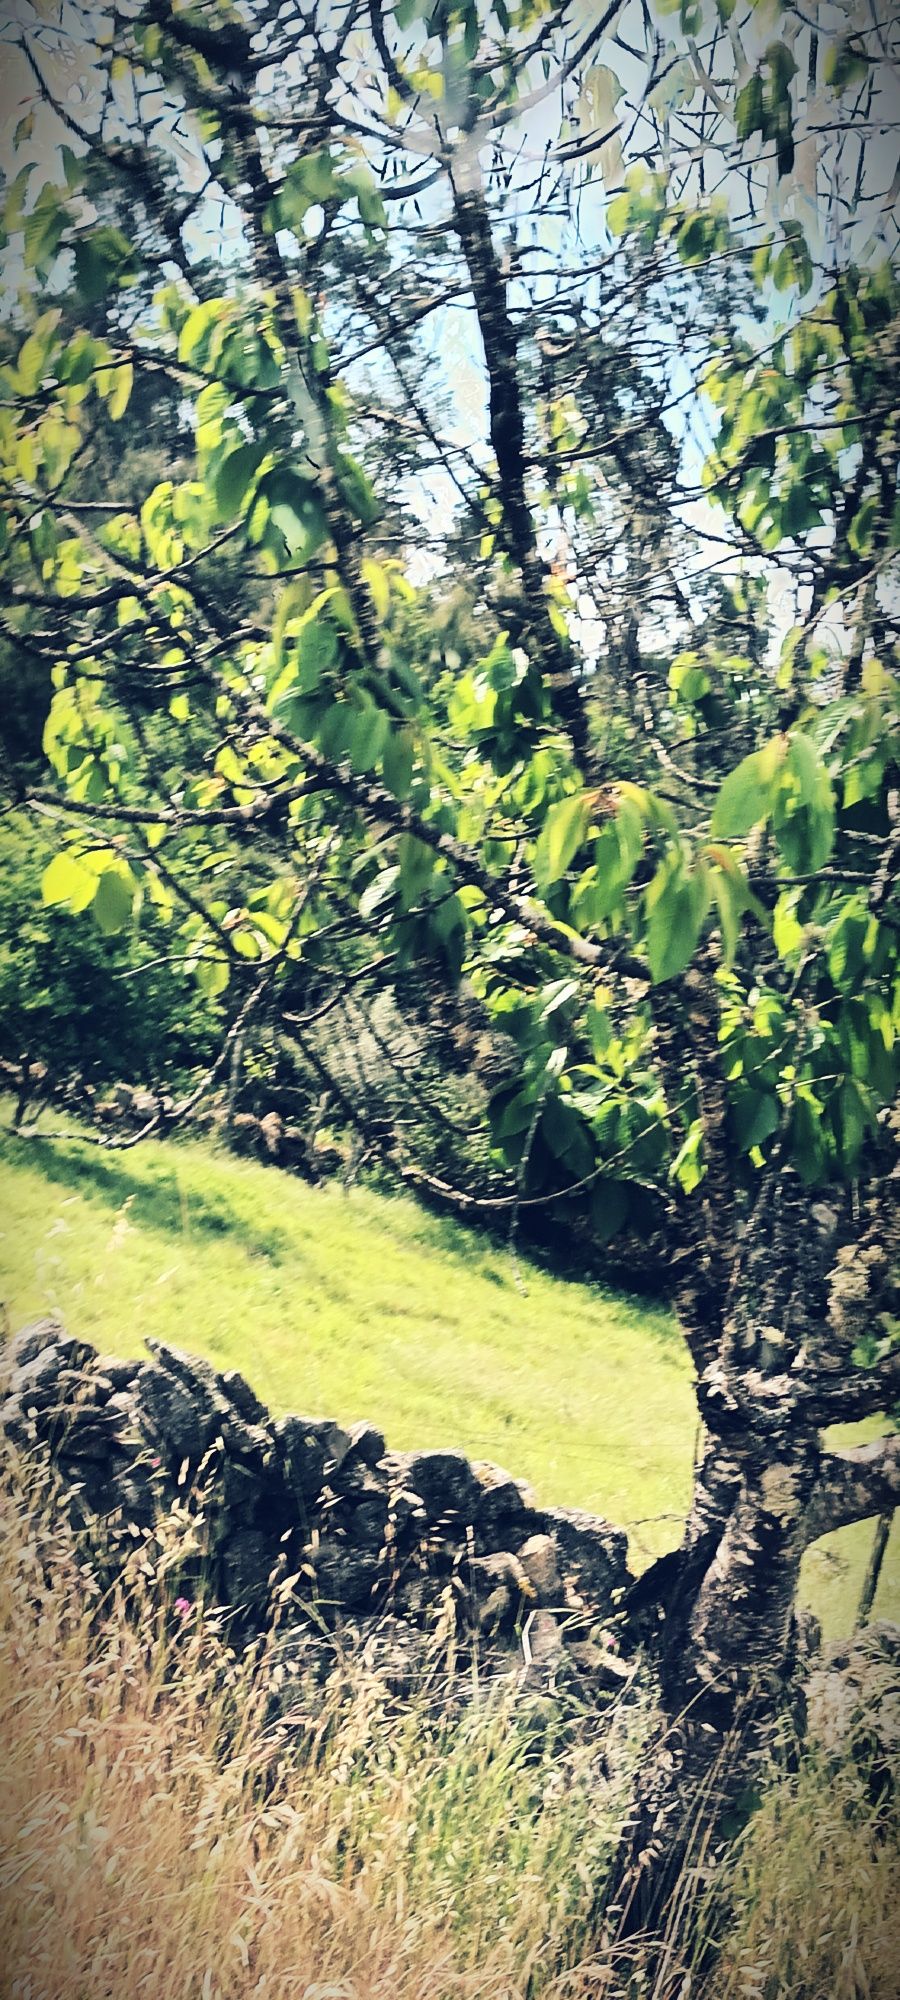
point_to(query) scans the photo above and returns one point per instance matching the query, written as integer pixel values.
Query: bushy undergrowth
(162, 1835)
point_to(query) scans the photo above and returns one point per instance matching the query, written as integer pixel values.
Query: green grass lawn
(362, 1305)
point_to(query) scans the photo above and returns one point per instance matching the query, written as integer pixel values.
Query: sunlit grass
(363, 1305)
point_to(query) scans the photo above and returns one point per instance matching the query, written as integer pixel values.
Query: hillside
(360, 1304)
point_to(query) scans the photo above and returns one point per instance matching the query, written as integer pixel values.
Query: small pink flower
(156, 1463)
(183, 1607)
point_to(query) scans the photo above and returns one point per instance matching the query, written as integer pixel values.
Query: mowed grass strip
(362, 1304)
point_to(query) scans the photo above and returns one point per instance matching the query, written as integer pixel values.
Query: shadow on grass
(158, 1199)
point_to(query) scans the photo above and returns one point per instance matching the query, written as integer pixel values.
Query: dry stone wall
(305, 1521)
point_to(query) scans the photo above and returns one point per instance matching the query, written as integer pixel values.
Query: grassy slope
(363, 1306)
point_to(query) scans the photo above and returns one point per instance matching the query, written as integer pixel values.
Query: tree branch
(853, 1485)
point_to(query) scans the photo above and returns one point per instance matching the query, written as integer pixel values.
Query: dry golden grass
(816, 1893)
(161, 1838)
(158, 1838)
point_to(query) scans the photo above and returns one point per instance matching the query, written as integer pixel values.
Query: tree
(651, 819)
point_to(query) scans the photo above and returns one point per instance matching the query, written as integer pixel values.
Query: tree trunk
(725, 1649)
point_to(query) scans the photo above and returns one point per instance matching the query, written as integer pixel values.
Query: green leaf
(371, 729)
(194, 338)
(416, 868)
(295, 510)
(357, 490)
(688, 1166)
(43, 230)
(81, 357)
(745, 797)
(397, 762)
(748, 107)
(234, 477)
(844, 65)
(733, 898)
(316, 175)
(756, 1116)
(378, 580)
(793, 264)
(610, 1205)
(378, 891)
(34, 353)
(561, 836)
(564, 1131)
(115, 385)
(212, 976)
(293, 602)
(66, 880)
(807, 1139)
(113, 902)
(515, 1116)
(103, 259)
(315, 653)
(860, 534)
(853, 1119)
(803, 812)
(675, 904)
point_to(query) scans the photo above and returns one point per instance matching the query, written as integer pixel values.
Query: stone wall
(323, 1527)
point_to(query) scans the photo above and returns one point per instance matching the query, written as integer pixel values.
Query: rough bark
(725, 1653)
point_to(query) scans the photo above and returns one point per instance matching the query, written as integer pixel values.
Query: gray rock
(302, 1455)
(591, 1552)
(543, 1643)
(191, 1370)
(299, 1654)
(854, 1701)
(334, 1441)
(141, 1495)
(125, 1410)
(246, 1402)
(368, 1520)
(366, 1444)
(355, 1480)
(15, 1425)
(238, 1490)
(84, 1431)
(498, 1588)
(346, 1579)
(220, 1414)
(36, 1382)
(539, 1559)
(407, 1514)
(171, 1416)
(364, 1529)
(246, 1565)
(119, 1374)
(504, 1508)
(396, 1654)
(445, 1482)
(31, 1341)
(241, 1440)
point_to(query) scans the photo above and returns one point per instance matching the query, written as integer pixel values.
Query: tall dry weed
(165, 1836)
(162, 1837)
